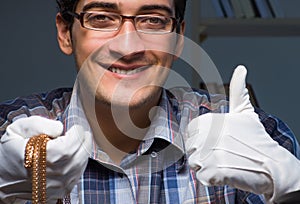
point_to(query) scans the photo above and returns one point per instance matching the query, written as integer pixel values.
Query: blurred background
(30, 59)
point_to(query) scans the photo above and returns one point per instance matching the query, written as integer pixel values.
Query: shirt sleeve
(280, 132)
(49, 105)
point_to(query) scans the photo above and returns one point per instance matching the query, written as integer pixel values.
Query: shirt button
(154, 154)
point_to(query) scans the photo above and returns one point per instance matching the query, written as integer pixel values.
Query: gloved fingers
(209, 177)
(245, 135)
(12, 158)
(67, 158)
(76, 141)
(205, 132)
(80, 138)
(195, 137)
(35, 125)
(240, 178)
(198, 130)
(195, 163)
(226, 165)
(228, 155)
(55, 190)
(239, 100)
(9, 137)
(58, 188)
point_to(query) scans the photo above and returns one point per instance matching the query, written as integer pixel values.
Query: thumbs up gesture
(234, 149)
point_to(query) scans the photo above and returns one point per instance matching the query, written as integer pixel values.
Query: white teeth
(126, 72)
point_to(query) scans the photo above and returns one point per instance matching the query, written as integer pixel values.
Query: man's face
(127, 67)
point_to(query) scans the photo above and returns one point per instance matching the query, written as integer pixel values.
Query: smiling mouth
(127, 72)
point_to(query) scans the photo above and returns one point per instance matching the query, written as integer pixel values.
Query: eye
(99, 17)
(155, 20)
(152, 23)
(101, 20)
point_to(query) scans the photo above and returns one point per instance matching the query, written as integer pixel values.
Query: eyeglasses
(108, 22)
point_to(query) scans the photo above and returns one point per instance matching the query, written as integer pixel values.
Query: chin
(144, 97)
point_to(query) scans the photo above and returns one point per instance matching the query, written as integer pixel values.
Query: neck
(120, 131)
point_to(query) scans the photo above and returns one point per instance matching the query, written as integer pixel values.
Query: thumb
(239, 100)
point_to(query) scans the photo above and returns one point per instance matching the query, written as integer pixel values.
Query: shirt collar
(166, 123)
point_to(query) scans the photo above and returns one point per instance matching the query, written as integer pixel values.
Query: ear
(63, 35)
(180, 41)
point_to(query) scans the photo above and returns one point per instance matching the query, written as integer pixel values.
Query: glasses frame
(80, 17)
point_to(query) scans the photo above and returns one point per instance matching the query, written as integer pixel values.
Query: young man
(125, 139)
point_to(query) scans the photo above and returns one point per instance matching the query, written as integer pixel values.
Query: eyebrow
(113, 6)
(157, 7)
(98, 4)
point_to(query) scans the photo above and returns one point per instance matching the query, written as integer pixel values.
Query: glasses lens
(105, 21)
(154, 24)
(101, 20)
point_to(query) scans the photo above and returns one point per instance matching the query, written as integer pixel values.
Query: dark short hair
(180, 6)
(70, 5)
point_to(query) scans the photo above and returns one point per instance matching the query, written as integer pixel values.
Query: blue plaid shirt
(158, 171)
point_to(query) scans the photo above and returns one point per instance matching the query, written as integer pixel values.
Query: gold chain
(35, 160)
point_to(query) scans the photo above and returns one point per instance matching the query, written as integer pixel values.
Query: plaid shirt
(158, 171)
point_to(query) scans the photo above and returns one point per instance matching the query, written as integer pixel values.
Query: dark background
(30, 59)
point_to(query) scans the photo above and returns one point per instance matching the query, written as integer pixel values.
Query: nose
(127, 42)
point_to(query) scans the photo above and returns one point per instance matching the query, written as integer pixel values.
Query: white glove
(67, 158)
(234, 149)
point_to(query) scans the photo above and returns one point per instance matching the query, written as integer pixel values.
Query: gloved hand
(234, 149)
(67, 158)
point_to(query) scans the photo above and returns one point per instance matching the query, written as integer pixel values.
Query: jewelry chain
(35, 160)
